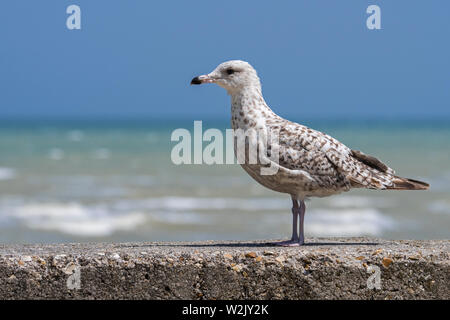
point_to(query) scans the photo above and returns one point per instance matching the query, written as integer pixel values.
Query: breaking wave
(7, 173)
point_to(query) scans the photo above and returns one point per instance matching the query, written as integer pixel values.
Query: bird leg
(296, 212)
(301, 239)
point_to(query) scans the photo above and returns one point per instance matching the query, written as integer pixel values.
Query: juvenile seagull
(311, 163)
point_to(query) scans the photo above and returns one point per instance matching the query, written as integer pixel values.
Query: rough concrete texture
(335, 268)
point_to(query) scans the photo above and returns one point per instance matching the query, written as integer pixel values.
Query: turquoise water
(104, 180)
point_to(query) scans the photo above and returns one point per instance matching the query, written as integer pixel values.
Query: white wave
(51, 211)
(245, 204)
(182, 218)
(193, 203)
(7, 173)
(349, 223)
(76, 219)
(347, 201)
(104, 219)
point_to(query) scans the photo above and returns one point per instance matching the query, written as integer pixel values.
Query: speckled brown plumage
(319, 165)
(311, 163)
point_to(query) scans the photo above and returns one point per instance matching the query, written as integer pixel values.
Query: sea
(113, 180)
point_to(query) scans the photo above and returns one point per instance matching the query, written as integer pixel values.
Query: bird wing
(302, 148)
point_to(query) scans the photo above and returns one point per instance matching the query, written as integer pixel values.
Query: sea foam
(127, 215)
(76, 219)
(348, 222)
(7, 173)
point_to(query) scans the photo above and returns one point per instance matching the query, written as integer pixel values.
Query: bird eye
(230, 71)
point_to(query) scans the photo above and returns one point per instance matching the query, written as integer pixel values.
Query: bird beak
(206, 78)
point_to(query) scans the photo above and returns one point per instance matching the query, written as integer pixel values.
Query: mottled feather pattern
(330, 166)
(311, 163)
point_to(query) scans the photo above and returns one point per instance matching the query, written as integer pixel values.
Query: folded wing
(328, 160)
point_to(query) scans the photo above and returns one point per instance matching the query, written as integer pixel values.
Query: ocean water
(104, 180)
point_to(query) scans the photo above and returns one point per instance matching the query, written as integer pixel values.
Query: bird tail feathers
(400, 183)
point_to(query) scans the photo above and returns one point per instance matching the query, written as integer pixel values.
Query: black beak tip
(196, 80)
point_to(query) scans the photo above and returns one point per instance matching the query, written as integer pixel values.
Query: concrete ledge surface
(325, 268)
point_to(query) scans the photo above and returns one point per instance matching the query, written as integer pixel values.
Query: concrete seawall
(333, 268)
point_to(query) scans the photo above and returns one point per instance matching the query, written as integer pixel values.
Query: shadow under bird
(310, 163)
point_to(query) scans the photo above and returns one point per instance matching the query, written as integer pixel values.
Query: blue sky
(136, 58)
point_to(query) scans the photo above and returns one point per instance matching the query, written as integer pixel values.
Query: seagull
(310, 163)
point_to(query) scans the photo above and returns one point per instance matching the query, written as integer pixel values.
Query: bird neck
(249, 110)
(248, 99)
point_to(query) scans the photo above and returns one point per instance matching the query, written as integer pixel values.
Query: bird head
(234, 76)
